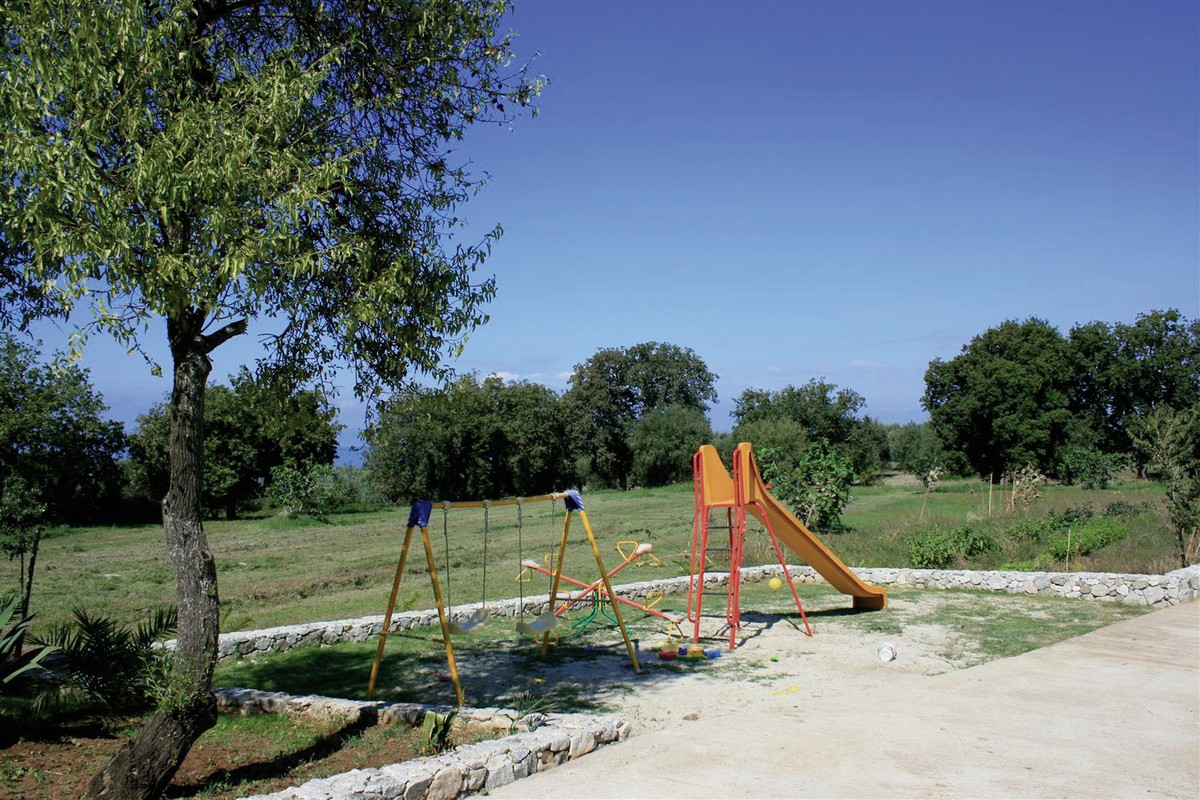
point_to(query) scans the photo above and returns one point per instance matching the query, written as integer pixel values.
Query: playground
(771, 722)
(735, 496)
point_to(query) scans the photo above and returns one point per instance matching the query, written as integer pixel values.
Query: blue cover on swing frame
(573, 501)
(418, 513)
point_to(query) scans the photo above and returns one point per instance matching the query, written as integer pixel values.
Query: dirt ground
(775, 659)
(1113, 713)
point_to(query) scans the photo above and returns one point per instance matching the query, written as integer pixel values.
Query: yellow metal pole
(616, 607)
(387, 621)
(554, 582)
(441, 607)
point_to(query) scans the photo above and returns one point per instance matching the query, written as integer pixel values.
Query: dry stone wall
(1180, 586)
(542, 741)
(537, 742)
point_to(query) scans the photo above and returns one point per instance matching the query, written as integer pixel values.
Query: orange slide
(746, 491)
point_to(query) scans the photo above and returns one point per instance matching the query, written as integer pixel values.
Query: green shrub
(1124, 510)
(308, 491)
(942, 549)
(1089, 467)
(1040, 528)
(14, 660)
(1029, 565)
(109, 664)
(1033, 530)
(1088, 537)
(816, 487)
(971, 543)
(930, 550)
(1073, 515)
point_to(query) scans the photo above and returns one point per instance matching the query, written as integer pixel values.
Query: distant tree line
(1076, 407)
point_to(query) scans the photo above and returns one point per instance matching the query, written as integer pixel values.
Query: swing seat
(478, 619)
(543, 623)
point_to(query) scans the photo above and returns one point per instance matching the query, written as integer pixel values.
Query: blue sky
(840, 190)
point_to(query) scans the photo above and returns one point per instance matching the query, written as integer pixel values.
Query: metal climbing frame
(714, 488)
(418, 520)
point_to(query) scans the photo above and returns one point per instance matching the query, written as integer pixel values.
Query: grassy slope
(274, 571)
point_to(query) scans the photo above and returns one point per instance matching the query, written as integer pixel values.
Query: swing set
(599, 591)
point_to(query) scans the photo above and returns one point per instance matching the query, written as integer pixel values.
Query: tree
(816, 484)
(251, 428)
(663, 442)
(1004, 400)
(58, 463)
(618, 386)
(780, 434)
(212, 163)
(1123, 372)
(1092, 350)
(1169, 442)
(470, 440)
(824, 412)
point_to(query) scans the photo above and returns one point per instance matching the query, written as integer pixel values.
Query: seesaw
(594, 589)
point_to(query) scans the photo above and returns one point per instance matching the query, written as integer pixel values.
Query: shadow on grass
(277, 766)
(581, 674)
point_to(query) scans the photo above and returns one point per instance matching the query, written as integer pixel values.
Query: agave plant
(112, 664)
(14, 661)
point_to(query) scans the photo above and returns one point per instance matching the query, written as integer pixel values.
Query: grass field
(275, 571)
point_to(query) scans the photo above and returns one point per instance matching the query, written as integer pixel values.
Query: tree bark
(145, 765)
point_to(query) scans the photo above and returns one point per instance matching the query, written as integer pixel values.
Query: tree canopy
(618, 386)
(1022, 393)
(57, 464)
(216, 162)
(250, 429)
(471, 440)
(1004, 401)
(822, 412)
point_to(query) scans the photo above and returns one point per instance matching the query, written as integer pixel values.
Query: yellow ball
(775, 583)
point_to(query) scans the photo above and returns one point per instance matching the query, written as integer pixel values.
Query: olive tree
(222, 164)
(471, 439)
(57, 462)
(617, 387)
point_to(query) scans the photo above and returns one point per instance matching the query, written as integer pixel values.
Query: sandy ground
(1114, 713)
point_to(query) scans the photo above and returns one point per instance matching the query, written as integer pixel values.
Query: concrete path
(1113, 713)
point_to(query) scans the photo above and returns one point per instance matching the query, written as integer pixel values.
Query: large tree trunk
(146, 764)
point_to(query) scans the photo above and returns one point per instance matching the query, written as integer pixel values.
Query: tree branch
(217, 338)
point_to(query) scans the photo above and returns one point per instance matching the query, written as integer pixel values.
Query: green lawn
(275, 571)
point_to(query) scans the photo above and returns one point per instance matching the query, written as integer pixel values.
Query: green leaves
(284, 158)
(1004, 400)
(250, 428)
(13, 661)
(816, 483)
(616, 387)
(472, 439)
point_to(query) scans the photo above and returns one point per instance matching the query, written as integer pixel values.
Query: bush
(313, 492)
(109, 664)
(1040, 528)
(14, 660)
(942, 549)
(931, 551)
(1124, 510)
(816, 487)
(1033, 530)
(1088, 537)
(1089, 467)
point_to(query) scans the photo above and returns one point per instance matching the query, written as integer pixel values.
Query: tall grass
(275, 571)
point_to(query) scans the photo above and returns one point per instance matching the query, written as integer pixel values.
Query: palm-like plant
(14, 661)
(109, 663)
